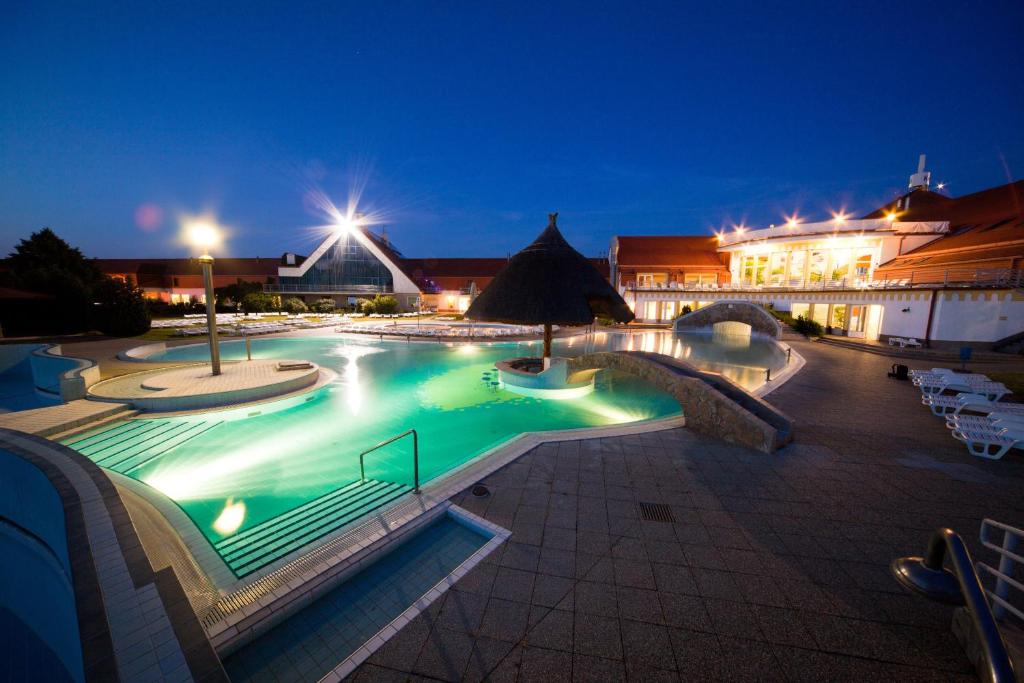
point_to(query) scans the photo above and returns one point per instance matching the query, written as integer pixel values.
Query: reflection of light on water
(469, 349)
(229, 472)
(350, 378)
(614, 414)
(230, 518)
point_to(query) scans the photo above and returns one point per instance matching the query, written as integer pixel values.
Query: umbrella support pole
(547, 346)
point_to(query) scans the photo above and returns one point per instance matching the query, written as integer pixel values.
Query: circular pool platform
(195, 386)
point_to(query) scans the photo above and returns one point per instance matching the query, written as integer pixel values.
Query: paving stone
(540, 664)
(553, 630)
(505, 620)
(598, 636)
(445, 654)
(513, 584)
(549, 591)
(587, 669)
(646, 646)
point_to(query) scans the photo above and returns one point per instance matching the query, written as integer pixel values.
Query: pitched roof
(261, 267)
(692, 251)
(986, 225)
(549, 282)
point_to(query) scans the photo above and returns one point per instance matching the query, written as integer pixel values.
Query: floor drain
(656, 512)
(480, 491)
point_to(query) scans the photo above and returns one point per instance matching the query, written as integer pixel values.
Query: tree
(120, 309)
(258, 302)
(46, 264)
(231, 296)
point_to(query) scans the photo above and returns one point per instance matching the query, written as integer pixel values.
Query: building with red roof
(936, 269)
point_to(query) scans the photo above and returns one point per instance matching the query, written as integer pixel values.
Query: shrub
(120, 309)
(295, 305)
(379, 304)
(258, 302)
(807, 327)
(325, 305)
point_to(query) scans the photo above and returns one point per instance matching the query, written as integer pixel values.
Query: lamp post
(206, 261)
(205, 235)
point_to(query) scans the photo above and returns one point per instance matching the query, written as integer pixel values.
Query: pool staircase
(271, 540)
(128, 447)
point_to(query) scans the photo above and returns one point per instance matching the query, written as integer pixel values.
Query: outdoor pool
(261, 483)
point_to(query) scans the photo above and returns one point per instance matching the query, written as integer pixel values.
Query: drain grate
(656, 512)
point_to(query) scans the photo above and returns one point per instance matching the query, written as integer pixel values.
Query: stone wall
(711, 404)
(760, 320)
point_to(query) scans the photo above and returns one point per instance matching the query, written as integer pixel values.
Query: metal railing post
(415, 456)
(927, 576)
(415, 461)
(1005, 569)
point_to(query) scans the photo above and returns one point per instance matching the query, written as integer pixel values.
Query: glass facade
(347, 266)
(831, 263)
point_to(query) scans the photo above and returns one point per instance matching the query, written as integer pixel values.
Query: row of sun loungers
(434, 331)
(972, 410)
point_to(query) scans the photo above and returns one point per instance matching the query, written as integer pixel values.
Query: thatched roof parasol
(549, 283)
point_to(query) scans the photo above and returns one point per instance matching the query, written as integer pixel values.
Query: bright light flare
(791, 221)
(840, 217)
(202, 233)
(891, 216)
(337, 219)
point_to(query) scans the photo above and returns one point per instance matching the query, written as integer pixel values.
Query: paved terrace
(774, 568)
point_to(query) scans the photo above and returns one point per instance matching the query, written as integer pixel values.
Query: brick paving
(775, 567)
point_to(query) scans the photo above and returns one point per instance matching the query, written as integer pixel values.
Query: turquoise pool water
(235, 473)
(309, 644)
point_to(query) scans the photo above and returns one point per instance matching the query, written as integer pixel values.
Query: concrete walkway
(774, 568)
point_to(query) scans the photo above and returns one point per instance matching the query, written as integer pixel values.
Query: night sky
(466, 123)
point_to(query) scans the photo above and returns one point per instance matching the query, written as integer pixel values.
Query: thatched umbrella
(549, 283)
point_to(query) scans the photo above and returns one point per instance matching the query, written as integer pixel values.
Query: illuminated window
(651, 279)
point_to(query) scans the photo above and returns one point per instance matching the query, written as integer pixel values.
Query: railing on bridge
(930, 279)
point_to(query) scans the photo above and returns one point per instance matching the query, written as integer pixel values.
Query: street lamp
(205, 235)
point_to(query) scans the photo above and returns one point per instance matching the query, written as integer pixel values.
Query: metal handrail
(415, 456)
(927, 576)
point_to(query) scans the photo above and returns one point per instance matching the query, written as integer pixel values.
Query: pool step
(129, 446)
(268, 541)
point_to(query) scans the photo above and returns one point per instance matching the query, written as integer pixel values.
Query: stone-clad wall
(760, 320)
(707, 410)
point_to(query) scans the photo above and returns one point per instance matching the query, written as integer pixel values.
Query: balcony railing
(930, 279)
(328, 289)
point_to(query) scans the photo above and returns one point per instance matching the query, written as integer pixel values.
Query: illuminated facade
(934, 268)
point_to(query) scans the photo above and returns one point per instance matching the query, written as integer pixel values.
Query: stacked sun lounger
(974, 414)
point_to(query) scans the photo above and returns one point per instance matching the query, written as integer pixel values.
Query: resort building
(180, 280)
(349, 265)
(938, 269)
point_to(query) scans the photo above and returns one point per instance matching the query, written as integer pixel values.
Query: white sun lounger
(995, 421)
(990, 443)
(993, 391)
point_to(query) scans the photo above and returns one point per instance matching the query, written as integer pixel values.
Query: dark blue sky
(468, 122)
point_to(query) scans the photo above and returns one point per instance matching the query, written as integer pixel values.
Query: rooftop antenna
(922, 179)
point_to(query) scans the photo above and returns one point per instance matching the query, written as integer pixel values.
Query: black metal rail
(927, 576)
(415, 457)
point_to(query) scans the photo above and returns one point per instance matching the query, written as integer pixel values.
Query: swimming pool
(262, 483)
